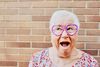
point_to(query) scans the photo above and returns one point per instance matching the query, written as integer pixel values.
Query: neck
(54, 54)
(58, 60)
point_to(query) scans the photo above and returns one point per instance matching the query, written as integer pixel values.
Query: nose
(64, 35)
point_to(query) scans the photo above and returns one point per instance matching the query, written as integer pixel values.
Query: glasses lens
(71, 29)
(57, 30)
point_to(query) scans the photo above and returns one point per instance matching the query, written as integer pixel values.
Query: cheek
(74, 38)
(54, 40)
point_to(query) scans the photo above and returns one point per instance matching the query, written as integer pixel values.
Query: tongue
(64, 45)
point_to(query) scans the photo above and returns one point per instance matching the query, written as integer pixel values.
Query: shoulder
(87, 58)
(40, 54)
(37, 57)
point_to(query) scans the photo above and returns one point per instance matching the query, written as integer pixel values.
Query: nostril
(65, 37)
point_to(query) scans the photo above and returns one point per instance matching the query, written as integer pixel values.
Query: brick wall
(24, 28)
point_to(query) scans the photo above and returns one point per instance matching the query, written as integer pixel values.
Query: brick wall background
(24, 28)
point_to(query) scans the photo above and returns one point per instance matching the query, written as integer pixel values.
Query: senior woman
(64, 27)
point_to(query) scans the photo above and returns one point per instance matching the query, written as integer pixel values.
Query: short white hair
(63, 14)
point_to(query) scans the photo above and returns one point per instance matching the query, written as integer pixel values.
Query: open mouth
(64, 44)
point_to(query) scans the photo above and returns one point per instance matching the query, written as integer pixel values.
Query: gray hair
(65, 15)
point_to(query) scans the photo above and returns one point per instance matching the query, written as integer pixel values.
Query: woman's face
(63, 37)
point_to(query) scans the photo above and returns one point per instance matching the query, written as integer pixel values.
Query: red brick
(29, 50)
(98, 59)
(81, 32)
(18, 57)
(17, 18)
(88, 39)
(10, 38)
(23, 64)
(86, 0)
(2, 38)
(45, 4)
(3, 57)
(93, 45)
(91, 52)
(2, 44)
(40, 31)
(8, 66)
(2, 50)
(8, 11)
(50, 11)
(59, 0)
(28, 25)
(40, 24)
(48, 39)
(10, 25)
(17, 44)
(71, 4)
(81, 18)
(79, 45)
(94, 4)
(25, 25)
(40, 18)
(29, 0)
(24, 57)
(12, 57)
(2, 24)
(89, 25)
(8, 0)
(1, 17)
(16, 31)
(86, 11)
(8, 63)
(11, 51)
(93, 32)
(18, 4)
(31, 38)
(93, 18)
(31, 11)
(41, 45)
(2, 30)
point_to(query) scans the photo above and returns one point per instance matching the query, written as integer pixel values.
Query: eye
(58, 28)
(69, 28)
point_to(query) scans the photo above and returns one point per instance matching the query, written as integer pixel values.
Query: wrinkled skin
(64, 52)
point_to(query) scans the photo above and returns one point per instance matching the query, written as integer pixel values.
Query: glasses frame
(64, 28)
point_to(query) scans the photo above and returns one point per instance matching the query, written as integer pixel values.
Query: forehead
(63, 21)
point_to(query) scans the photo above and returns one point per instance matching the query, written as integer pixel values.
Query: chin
(65, 53)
